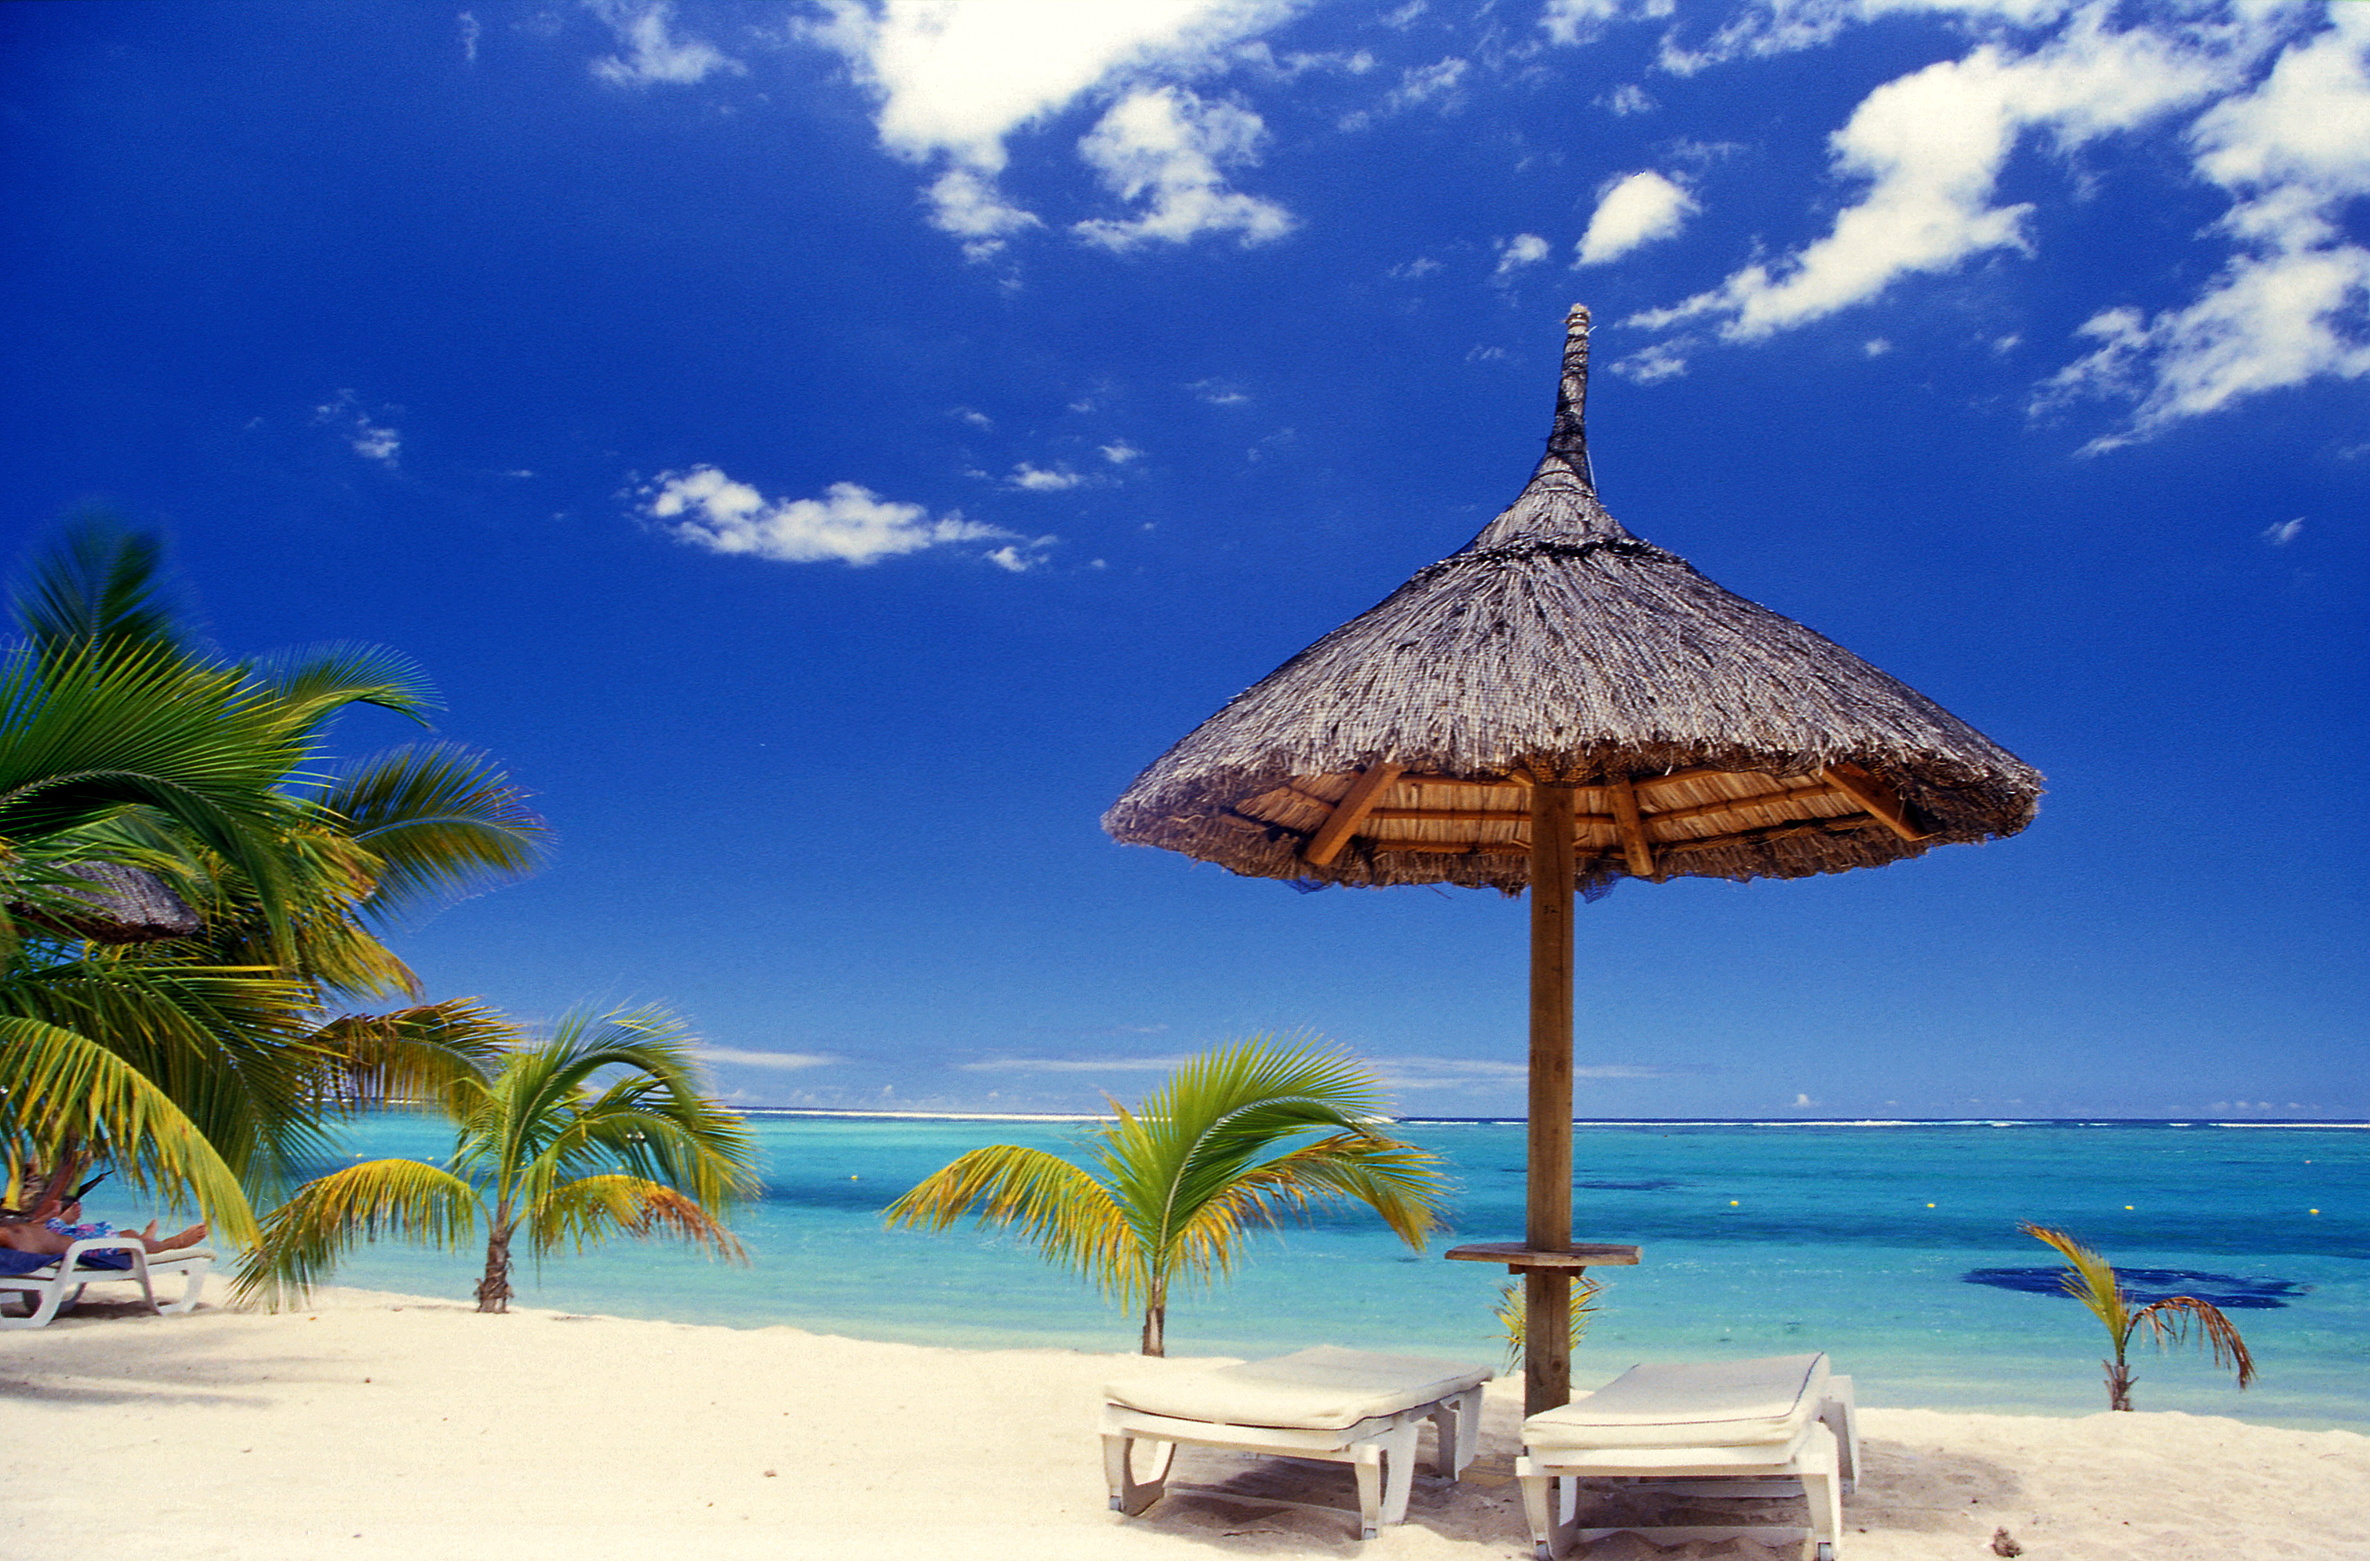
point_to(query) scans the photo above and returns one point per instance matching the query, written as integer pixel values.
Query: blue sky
(826, 450)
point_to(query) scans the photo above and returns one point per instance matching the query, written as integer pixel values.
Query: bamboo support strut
(1873, 795)
(1335, 833)
(1631, 828)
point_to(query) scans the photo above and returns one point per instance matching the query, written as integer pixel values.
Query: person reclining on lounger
(50, 1227)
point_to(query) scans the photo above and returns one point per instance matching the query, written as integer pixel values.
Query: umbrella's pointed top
(1560, 502)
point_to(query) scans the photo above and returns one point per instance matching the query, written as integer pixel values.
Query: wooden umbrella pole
(1547, 1292)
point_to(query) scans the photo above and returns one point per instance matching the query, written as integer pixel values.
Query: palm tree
(545, 1152)
(1174, 1185)
(1514, 1322)
(2091, 1280)
(207, 1062)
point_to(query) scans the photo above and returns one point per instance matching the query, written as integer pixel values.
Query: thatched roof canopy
(120, 905)
(1709, 736)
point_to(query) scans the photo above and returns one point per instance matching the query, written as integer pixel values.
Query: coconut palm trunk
(493, 1291)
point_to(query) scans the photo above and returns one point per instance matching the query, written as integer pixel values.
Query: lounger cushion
(1738, 1403)
(42, 1265)
(1324, 1389)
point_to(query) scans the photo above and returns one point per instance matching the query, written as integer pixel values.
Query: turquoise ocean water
(1758, 1239)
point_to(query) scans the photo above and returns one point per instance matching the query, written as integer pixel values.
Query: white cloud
(1421, 84)
(787, 1062)
(850, 523)
(1164, 146)
(2283, 533)
(1120, 452)
(1421, 266)
(1627, 99)
(956, 78)
(471, 31)
(1422, 1072)
(1783, 26)
(976, 418)
(1524, 249)
(1218, 393)
(2294, 303)
(1652, 364)
(370, 439)
(1876, 347)
(1631, 212)
(1038, 479)
(653, 54)
(1580, 21)
(1931, 145)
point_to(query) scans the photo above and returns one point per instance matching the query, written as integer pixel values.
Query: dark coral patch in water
(2144, 1285)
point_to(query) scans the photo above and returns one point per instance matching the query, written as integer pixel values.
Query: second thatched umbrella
(1555, 707)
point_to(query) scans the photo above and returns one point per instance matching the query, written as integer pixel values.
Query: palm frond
(2168, 1321)
(85, 736)
(441, 820)
(304, 1238)
(1056, 1206)
(1514, 1320)
(584, 1210)
(225, 1044)
(1219, 1115)
(409, 1055)
(1398, 1181)
(2090, 1280)
(60, 1089)
(312, 682)
(101, 586)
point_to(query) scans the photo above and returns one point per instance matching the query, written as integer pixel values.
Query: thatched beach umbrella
(120, 905)
(1556, 707)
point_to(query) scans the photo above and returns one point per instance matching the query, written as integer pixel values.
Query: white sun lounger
(1753, 1429)
(1340, 1406)
(57, 1287)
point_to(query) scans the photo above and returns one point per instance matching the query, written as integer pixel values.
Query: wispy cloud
(1428, 1072)
(369, 438)
(1632, 211)
(2284, 533)
(1072, 1065)
(2294, 153)
(785, 1062)
(1041, 479)
(1655, 362)
(1435, 84)
(652, 54)
(1930, 146)
(1524, 249)
(1165, 148)
(849, 523)
(1119, 452)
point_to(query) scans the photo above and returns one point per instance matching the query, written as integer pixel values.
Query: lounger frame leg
(1130, 1495)
(1839, 1412)
(1551, 1503)
(1456, 1434)
(60, 1291)
(193, 1283)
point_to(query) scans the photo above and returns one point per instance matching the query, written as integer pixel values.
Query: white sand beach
(379, 1426)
